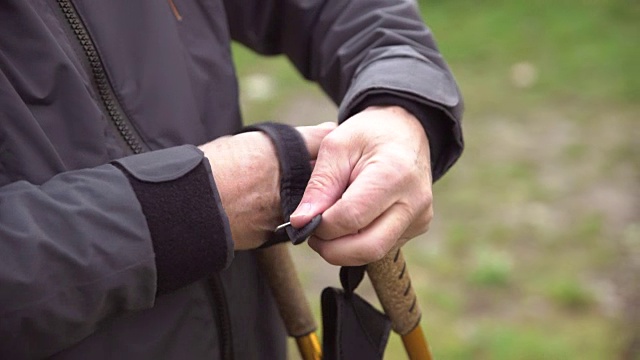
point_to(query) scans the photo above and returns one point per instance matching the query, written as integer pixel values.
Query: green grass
(533, 253)
(491, 268)
(583, 50)
(569, 294)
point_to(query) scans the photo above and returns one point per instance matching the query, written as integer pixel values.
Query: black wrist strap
(295, 172)
(351, 327)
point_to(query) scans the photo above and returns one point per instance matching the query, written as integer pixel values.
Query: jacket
(113, 240)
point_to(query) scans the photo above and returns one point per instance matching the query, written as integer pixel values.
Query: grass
(533, 253)
(491, 268)
(569, 294)
(582, 49)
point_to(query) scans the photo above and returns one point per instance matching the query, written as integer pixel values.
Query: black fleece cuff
(432, 119)
(189, 229)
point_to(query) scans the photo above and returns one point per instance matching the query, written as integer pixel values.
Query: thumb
(328, 181)
(313, 136)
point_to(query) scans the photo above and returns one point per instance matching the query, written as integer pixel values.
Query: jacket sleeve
(91, 244)
(356, 49)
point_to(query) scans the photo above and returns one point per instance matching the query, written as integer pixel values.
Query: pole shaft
(309, 347)
(276, 263)
(416, 345)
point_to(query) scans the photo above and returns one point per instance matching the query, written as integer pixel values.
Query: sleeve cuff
(189, 229)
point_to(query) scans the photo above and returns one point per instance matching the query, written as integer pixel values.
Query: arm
(91, 244)
(362, 52)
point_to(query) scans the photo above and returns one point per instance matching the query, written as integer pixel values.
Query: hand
(372, 183)
(246, 171)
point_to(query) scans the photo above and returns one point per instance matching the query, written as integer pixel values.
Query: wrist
(401, 118)
(245, 169)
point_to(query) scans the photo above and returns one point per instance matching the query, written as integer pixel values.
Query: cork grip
(392, 284)
(275, 262)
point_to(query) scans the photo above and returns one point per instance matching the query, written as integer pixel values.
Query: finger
(313, 136)
(420, 224)
(328, 181)
(372, 192)
(369, 245)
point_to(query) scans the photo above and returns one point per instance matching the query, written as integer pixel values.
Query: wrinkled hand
(372, 182)
(246, 171)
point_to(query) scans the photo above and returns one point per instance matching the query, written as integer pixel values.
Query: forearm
(81, 248)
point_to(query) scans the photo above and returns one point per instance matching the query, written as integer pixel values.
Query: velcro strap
(351, 327)
(295, 172)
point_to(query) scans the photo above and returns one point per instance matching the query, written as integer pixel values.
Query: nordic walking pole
(390, 279)
(275, 262)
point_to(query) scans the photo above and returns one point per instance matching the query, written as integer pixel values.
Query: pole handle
(276, 263)
(390, 279)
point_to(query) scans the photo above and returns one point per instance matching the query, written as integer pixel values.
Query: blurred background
(534, 252)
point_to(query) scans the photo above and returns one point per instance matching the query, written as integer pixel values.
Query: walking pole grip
(390, 279)
(276, 263)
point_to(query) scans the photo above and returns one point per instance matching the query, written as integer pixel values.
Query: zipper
(222, 317)
(114, 111)
(111, 105)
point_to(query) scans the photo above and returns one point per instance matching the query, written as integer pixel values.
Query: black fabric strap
(352, 329)
(295, 172)
(187, 243)
(351, 277)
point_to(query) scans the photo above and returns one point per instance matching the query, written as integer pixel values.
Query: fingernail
(303, 209)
